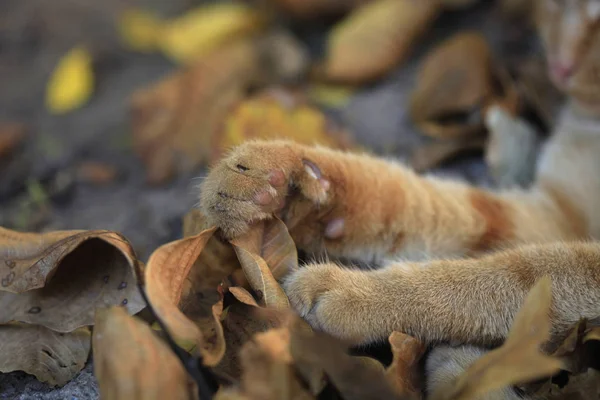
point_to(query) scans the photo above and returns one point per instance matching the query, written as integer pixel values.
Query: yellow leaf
(71, 83)
(140, 30)
(331, 95)
(205, 28)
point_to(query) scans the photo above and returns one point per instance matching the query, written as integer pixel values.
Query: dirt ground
(31, 41)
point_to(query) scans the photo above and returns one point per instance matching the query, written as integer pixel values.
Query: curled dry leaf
(58, 279)
(374, 39)
(176, 122)
(171, 279)
(131, 362)
(456, 84)
(403, 373)
(277, 114)
(12, 135)
(519, 359)
(53, 357)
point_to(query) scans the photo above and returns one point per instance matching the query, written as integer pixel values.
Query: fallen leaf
(519, 359)
(243, 296)
(96, 173)
(267, 253)
(436, 152)
(140, 30)
(172, 285)
(351, 376)
(374, 39)
(58, 279)
(538, 91)
(334, 96)
(205, 28)
(317, 8)
(267, 368)
(276, 114)
(131, 362)
(53, 357)
(585, 386)
(71, 83)
(403, 373)
(456, 84)
(12, 135)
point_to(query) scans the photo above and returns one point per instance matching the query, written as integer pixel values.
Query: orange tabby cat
(361, 207)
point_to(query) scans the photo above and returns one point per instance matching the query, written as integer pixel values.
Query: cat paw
(253, 181)
(335, 300)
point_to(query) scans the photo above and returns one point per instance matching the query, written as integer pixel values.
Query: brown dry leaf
(181, 298)
(436, 152)
(243, 296)
(177, 121)
(317, 8)
(538, 91)
(12, 135)
(403, 374)
(585, 386)
(279, 114)
(54, 358)
(131, 362)
(519, 359)
(580, 349)
(457, 82)
(374, 39)
(353, 377)
(267, 368)
(266, 253)
(58, 279)
(97, 173)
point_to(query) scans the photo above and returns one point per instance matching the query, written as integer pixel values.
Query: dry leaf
(538, 91)
(71, 83)
(131, 362)
(277, 114)
(174, 121)
(54, 358)
(457, 82)
(352, 376)
(140, 30)
(519, 359)
(318, 8)
(374, 39)
(58, 279)
(205, 28)
(243, 296)
(585, 386)
(403, 374)
(96, 173)
(172, 287)
(436, 152)
(11, 137)
(267, 368)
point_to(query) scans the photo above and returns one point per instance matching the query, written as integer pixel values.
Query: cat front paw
(253, 181)
(339, 301)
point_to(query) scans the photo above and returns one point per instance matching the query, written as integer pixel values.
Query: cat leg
(366, 208)
(461, 301)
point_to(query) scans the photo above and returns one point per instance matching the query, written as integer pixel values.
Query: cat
(457, 261)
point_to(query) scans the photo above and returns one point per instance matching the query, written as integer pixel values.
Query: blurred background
(111, 111)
